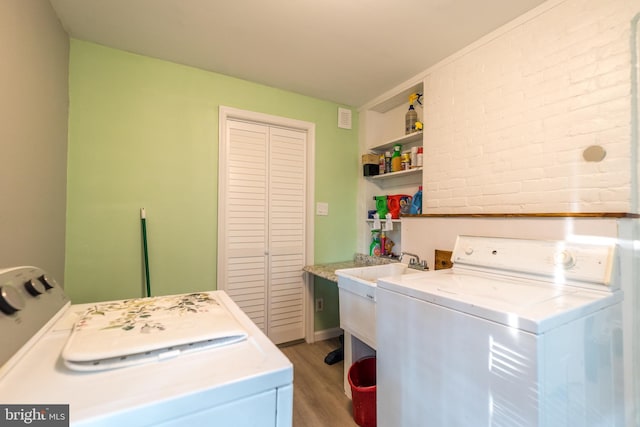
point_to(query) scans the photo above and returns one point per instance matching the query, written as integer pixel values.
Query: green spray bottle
(374, 248)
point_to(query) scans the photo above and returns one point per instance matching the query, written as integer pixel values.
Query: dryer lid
(525, 304)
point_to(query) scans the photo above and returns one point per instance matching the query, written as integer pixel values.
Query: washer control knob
(34, 287)
(48, 283)
(468, 250)
(565, 259)
(10, 299)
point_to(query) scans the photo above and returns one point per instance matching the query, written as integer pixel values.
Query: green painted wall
(144, 133)
(330, 316)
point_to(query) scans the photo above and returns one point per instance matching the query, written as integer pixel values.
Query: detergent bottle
(396, 158)
(416, 203)
(374, 248)
(381, 206)
(394, 203)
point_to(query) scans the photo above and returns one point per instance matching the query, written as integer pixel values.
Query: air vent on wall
(344, 118)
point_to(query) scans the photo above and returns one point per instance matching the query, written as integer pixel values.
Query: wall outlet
(319, 304)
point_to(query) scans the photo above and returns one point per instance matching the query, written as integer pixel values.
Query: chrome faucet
(414, 258)
(415, 262)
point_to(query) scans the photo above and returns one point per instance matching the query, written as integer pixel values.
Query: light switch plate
(322, 208)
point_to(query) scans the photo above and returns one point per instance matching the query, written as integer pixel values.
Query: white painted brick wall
(507, 119)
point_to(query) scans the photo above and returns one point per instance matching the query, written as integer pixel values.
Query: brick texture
(507, 119)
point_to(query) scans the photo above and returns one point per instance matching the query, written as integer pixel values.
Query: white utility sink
(357, 292)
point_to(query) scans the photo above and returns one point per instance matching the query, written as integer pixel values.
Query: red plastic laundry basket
(362, 379)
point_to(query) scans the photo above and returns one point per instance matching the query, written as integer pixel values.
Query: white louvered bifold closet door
(264, 226)
(245, 241)
(287, 196)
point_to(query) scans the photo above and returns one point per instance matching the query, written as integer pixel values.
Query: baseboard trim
(326, 334)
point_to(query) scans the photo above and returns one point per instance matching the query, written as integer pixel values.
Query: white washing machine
(517, 333)
(180, 360)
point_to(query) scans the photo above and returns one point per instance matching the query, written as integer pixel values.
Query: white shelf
(396, 174)
(383, 120)
(392, 101)
(383, 220)
(415, 137)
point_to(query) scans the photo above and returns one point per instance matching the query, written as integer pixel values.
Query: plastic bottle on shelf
(388, 247)
(414, 157)
(374, 248)
(395, 202)
(396, 158)
(387, 162)
(383, 242)
(381, 163)
(410, 120)
(416, 203)
(381, 206)
(406, 160)
(419, 156)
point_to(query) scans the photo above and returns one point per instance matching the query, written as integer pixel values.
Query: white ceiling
(346, 51)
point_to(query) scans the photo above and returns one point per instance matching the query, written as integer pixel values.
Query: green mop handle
(143, 220)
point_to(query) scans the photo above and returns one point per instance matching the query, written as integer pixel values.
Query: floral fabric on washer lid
(122, 333)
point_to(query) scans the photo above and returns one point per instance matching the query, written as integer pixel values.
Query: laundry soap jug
(405, 204)
(416, 203)
(381, 206)
(395, 203)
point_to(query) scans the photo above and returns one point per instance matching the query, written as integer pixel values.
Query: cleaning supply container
(416, 204)
(375, 249)
(405, 204)
(362, 379)
(396, 158)
(381, 206)
(410, 119)
(394, 204)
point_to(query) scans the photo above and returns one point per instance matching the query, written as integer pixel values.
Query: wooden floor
(318, 393)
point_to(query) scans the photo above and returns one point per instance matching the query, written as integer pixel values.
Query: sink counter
(328, 271)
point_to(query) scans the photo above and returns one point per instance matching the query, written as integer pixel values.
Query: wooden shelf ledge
(530, 215)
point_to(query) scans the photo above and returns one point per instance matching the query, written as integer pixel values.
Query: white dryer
(517, 333)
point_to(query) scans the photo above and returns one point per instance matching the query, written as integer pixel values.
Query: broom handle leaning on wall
(143, 220)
